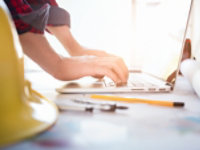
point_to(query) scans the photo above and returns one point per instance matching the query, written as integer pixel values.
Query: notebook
(162, 40)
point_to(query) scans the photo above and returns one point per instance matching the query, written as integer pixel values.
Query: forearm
(64, 35)
(38, 49)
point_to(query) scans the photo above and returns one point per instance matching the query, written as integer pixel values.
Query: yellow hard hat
(23, 112)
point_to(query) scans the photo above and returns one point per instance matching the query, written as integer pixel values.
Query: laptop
(162, 40)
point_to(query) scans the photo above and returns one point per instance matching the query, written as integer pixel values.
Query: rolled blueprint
(191, 70)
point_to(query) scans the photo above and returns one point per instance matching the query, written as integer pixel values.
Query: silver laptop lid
(161, 29)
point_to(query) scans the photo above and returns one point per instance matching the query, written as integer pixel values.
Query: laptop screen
(159, 37)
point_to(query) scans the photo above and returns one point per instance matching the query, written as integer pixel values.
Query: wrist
(76, 50)
(73, 68)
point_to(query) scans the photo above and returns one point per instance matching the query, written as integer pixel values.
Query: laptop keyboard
(133, 81)
(129, 84)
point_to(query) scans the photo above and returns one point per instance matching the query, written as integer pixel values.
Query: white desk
(140, 127)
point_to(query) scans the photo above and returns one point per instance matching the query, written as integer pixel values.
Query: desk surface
(140, 127)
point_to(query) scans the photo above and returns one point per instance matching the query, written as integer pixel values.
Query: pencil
(137, 100)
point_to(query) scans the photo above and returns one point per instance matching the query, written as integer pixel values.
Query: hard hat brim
(36, 116)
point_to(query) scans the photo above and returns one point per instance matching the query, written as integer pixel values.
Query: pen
(74, 108)
(138, 100)
(87, 108)
(112, 106)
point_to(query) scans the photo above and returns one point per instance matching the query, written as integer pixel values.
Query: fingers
(109, 73)
(119, 61)
(77, 67)
(118, 64)
(98, 53)
(112, 67)
(123, 66)
(117, 67)
(98, 76)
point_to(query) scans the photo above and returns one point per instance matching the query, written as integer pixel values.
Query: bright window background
(128, 28)
(99, 24)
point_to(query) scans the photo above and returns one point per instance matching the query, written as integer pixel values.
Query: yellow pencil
(138, 100)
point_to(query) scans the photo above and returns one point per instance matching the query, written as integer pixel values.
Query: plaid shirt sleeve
(42, 2)
(34, 15)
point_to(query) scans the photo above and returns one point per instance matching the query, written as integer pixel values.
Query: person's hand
(103, 65)
(85, 51)
(99, 53)
(80, 66)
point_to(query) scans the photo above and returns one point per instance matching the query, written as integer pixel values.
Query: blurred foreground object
(191, 70)
(22, 113)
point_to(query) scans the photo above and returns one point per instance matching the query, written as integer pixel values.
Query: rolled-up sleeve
(35, 15)
(58, 16)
